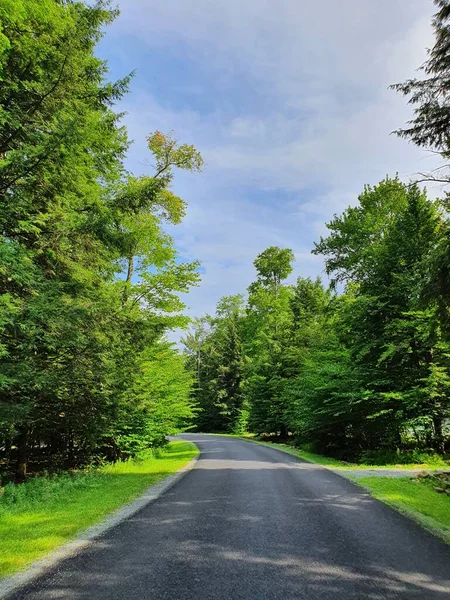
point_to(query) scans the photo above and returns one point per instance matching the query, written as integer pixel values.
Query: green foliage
(267, 330)
(357, 236)
(273, 265)
(430, 95)
(357, 374)
(89, 279)
(394, 337)
(406, 457)
(156, 405)
(215, 356)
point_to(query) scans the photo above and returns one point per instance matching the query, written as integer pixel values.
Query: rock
(439, 490)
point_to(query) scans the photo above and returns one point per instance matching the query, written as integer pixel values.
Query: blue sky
(288, 102)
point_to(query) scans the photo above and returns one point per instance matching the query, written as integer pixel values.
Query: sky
(288, 102)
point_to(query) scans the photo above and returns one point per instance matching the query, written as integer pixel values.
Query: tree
(159, 402)
(356, 237)
(216, 357)
(391, 333)
(267, 328)
(77, 335)
(59, 141)
(151, 199)
(430, 96)
(273, 266)
(430, 129)
(230, 372)
(321, 398)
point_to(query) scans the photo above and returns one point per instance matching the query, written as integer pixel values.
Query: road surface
(250, 522)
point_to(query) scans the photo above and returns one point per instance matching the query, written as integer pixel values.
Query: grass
(418, 500)
(334, 463)
(44, 513)
(309, 456)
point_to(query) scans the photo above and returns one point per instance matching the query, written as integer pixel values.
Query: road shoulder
(15, 582)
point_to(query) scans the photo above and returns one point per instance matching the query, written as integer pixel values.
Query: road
(250, 522)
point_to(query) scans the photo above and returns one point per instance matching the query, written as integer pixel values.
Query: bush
(45, 488)
(402, 457)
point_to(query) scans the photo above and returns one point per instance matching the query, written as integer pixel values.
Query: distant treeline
(350, 373)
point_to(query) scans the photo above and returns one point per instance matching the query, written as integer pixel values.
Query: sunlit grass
(310, 456)
(415, 498)
(42, 514)
(337, 464)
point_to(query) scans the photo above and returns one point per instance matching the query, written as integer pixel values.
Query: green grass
(417, 500)
(338, 464)
(43, 513)
(309, 456)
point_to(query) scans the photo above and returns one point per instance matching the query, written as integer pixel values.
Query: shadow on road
(249, 523)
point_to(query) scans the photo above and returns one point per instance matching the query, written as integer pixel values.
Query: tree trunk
(283, 432)
(438, 434)
(128, 279)
(130, 269)
(22, 454)
(71, 451)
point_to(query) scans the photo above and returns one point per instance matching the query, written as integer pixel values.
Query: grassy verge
(418, 500)
(338, 464)
(309, 456)
(42, 514)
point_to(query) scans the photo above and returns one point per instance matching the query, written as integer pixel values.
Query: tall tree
(391, 332)
(230, 371)
(215, 353)
(76, 334)
(267, 328)
(430, 96)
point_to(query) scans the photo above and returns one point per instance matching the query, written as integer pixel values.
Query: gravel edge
(12, 584)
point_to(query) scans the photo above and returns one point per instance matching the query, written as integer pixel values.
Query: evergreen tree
(216, 357)
(77, 333)
(391, 333)
(430, 96)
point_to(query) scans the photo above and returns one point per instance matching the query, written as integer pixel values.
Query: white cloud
(320, 131)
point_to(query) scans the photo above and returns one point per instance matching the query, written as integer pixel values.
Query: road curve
(253, 523)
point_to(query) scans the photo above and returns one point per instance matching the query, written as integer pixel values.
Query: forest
(90, 280)
(357, 374)
(354, 365)
(358, 367)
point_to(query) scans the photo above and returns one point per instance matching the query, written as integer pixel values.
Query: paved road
(250, 522)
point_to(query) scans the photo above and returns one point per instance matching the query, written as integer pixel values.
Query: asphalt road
(250, 522)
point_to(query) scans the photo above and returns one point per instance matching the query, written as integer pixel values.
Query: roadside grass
(44, 513)
(434, 463)
(414, 498)
(309, 456)
(338, 464)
